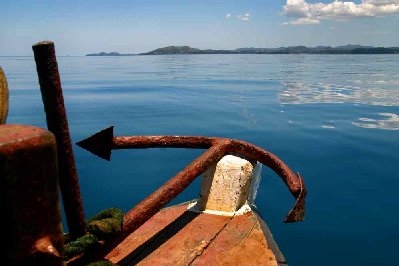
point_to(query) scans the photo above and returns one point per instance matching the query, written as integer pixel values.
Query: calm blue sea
(333, 118)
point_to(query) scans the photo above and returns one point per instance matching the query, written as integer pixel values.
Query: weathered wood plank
(241, 242)
(175, 236)
(158, 222)
(270, 240)
(186, 243)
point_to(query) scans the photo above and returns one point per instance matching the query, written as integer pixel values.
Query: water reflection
(301, 93)
(327, 126)
(390, 122)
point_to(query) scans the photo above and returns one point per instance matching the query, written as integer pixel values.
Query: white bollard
(229, 185)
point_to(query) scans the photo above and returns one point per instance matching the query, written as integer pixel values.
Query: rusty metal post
(3, 97)
(31, 232)
(50, 85)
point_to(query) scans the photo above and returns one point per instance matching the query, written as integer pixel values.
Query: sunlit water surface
(333, 118)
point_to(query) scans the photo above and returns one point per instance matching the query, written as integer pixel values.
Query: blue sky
(80, 27)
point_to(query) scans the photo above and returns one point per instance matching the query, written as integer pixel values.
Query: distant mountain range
(346, 49)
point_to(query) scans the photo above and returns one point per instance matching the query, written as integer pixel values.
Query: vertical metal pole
(3, 97)
(31, 230)
(50, 85)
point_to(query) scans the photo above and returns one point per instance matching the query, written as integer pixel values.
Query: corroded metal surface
(297, 213)
(30, 206)
(50, 85)
(175, 236)
(3, 97)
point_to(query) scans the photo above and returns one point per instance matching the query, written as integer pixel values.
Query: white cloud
(228, 15)
(303, 21)
(244, 17)
(302, 12)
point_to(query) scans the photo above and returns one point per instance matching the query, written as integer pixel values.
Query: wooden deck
(176, 236)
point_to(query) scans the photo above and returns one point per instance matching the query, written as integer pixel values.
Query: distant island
(346, 49)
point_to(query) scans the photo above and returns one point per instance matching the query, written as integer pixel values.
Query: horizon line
(140, 53)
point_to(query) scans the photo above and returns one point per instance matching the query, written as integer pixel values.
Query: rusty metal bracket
(103, 142)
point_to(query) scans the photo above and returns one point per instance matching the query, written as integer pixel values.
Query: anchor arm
(103, 142)
(295, 183)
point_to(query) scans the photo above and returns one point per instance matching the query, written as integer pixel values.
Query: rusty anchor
(103, 142)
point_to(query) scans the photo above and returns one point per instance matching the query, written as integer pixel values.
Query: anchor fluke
(99, 144)
(297, 213)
